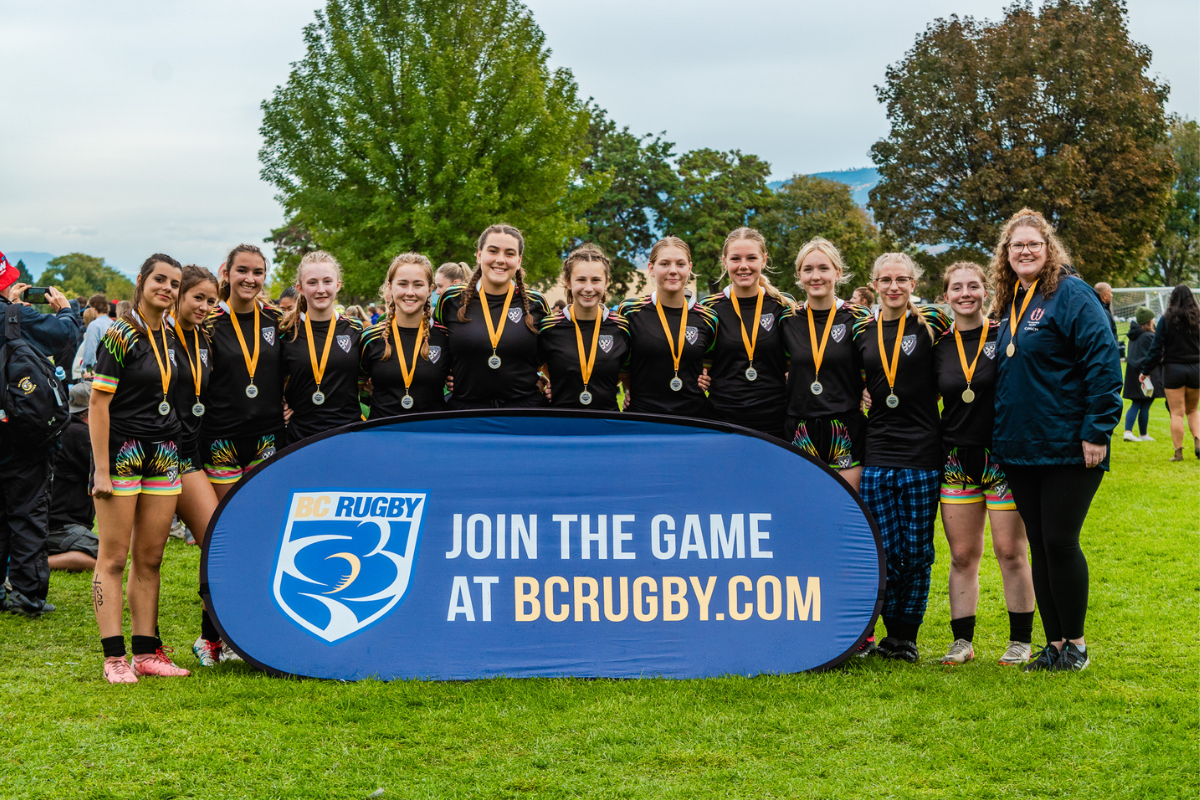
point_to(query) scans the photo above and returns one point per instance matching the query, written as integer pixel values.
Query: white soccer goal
(1126, 301)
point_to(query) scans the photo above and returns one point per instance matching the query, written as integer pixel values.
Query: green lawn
(1127, 727)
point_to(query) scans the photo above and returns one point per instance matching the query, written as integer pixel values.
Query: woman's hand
(1093, 454)
(287, 413)
(704, 382)
(866, 400)
(102, 487)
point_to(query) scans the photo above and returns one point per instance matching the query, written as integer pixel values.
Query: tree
(291, 242)
(716, 192)
(622, 221)
(81, 275)
(806, 207)
(1051, 110)
(1176, 257)
(23, 275)
(414, 124)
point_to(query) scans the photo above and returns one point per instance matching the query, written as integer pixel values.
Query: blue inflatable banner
(540, 543)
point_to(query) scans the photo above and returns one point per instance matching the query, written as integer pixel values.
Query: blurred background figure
(1141, 334)
(72, 546)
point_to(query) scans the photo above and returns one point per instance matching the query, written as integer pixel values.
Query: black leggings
(1053, 502)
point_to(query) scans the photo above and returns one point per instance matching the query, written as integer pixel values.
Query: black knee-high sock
(145, 645)
(963, 628)
(1020, 626)
(208, 628)
(114, 646)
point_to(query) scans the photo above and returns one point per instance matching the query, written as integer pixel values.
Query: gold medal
(251, 361)
(495, 333)
(890, 373)
(319, 369)
(968, 395)
(749, 342)
(1011, 350)
(676, 383)
(1014, 318)
(405, 372)
(586, 363)
(969, 371)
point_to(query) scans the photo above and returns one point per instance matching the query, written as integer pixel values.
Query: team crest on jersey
(269, 335)
(515, 314)
(344, 343)
(908, 344)
(989, 350)
(767, 322)
(346, 559)
(838, 332)
(171, 355)
(691, 334)
(606, 343)
(434, 354)
(204, 357)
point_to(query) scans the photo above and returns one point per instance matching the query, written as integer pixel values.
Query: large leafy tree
(81, 275)
(623, 221)
(291, 242)
(1176, 257)
(23, 275)
(716, 193)
(1051, 109)
(806, 207)
(414, 124)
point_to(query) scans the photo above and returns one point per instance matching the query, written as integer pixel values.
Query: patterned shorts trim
(226, 461)
(972, 475)
(837, 442)
(140, 466)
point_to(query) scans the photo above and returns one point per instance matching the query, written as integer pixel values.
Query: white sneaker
(1129, 437)
(228, 654)
(208, 652)
(1017, 653)
(960, 652)
(1146, 438)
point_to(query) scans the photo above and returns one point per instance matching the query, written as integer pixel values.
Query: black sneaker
(1072, 659)
(867, 648)
(18, 603)
(887, 646)
(904, 650)
(1045, 660)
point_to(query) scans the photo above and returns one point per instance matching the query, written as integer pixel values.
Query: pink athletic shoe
(158, 664)
(116, 670)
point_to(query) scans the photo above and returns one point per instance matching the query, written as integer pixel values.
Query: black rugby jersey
(184, 394)
(967, 423)
(127, 369)
(907, 436)
(650, 365)
(229, 413)
(339, 384)
(475, 383)
(387, 379)
(558, 349)
(731, 394)
(841, 366)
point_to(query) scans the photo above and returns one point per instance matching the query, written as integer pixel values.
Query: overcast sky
(131, 127)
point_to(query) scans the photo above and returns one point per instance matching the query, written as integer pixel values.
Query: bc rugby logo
(346, 559)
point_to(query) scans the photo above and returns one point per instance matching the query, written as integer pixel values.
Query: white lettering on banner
(669, 538)
(460, 600)
(757, 536)
(479, 536)
(620, 536)
(693, 537)
(564, 523)
(486, 582)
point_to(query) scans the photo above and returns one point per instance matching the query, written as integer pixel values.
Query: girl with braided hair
(491, 326)
(404, 361)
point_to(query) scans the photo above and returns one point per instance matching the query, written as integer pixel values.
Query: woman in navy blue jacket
(1058, 398)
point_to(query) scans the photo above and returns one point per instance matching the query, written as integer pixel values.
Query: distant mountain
(860, 181)
(35, 263)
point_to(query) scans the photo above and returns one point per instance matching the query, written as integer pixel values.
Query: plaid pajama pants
(904, 502)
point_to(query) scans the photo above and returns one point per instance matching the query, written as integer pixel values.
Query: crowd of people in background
(999, 411)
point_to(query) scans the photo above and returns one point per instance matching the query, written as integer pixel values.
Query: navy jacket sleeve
(49, 333)
(1157, 347)
(1100, 359)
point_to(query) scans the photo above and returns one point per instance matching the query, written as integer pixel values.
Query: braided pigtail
(775, 294)
(469, 293)
(916, 312)
(519, 280)
(387, 324)
(425, 317)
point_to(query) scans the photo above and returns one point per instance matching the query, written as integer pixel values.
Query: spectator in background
(1104, 294)
(449, 274)
(112, 309)
(358, 313)
(72, 545)
(123, 308)
(94, 333)
(863, 296)
(1141, 334)
(559, 305)
(287, 300)
(372, 314)
(25, 475)
(1176, 346)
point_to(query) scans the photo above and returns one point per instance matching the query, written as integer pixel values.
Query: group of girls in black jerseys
(205, 379)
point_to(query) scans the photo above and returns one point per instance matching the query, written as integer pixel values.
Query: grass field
(1126, 727)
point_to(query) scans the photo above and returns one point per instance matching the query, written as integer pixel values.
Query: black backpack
(33, 401)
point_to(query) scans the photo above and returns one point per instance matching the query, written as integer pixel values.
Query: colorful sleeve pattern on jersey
(552, 319)
(709, 318)
(118, 340)
(537, 300)
(937, 319)
(447, 298)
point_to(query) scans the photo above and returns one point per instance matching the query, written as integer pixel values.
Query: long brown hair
(288, 323)
(385, 291)
(223, 284)
(518, 276)
(1004, 279)
(585, 253)
(752, 235)
(135, 308)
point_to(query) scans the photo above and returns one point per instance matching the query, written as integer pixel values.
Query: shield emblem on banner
(838, 332)
(515, 314)
(908, 344)
(344, 343)
(434, 354)
(989, 350)
(606, 343)
(767, 322)
(345, 559)
(269, 335)
(691, 335)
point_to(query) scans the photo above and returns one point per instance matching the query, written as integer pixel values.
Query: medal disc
(892, 401)
(676, 384)
(751, 374)
(406, 401)
(198, 409)
(585, 397)
(252, 391)
(494, 362)
(816, 387)
(968, 395)
(1011, 350)
(318, 398)
(164, 408)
